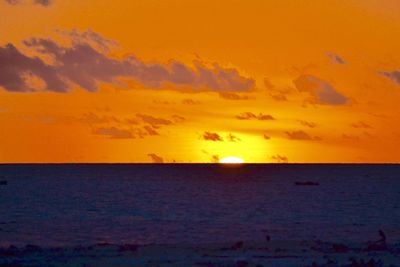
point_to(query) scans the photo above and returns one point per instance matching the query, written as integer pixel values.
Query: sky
(298, 81)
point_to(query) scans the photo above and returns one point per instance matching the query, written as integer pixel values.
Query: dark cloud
(246, 116)
(150, 130)
(210, 136)
(233, 96)
(361, 124)
(308, 123)
(280, 159)
(393, 75)
(83, 65)
(114, 132)
(155, 158)
(154, 121)
(321, 92)
(265, 117)
(37, 2)
(14, 65)
(301, 135)
(335, 58)
(251, 116)
(43, 2)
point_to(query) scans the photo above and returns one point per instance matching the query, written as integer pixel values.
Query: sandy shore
(273, 253)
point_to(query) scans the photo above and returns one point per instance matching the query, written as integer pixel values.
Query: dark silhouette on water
(306, 183)
(237, 245)
(378, 245)
(383, 237)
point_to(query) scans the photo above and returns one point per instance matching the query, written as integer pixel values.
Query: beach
(272, 253)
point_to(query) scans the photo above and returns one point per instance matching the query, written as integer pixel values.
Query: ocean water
(83, 204)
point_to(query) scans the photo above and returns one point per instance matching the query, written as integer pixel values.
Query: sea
(83, 204)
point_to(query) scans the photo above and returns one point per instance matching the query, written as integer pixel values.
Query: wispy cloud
(37, 2)
(301, 135)
(335, 58)
(393, 75)
(233, 96)
(361, 124)
(308, 124)
(320, 91)
(114, 132)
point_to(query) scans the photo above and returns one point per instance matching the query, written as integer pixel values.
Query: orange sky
(198, 80)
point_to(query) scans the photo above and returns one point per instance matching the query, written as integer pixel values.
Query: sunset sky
(199, 80)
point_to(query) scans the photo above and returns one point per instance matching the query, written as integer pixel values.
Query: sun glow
(231, 160)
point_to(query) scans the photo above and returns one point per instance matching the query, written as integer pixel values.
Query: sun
(231, 160)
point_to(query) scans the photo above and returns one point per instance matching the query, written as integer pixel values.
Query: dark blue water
(85, 204)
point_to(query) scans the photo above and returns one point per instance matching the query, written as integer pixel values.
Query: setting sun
(231, 160)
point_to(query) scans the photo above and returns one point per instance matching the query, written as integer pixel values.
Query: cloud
(279, 97)
(178, 118)
(154, 121)
(321, 92)
(278, 94)
(251, 116)
(232, 138)
(308, 123)
(37, 2)
(150, 130)
(262, 117)
(210, 136)
(113, 132)
(301, 135)
(144, 125)
(361, 124)
(81, 64)
(280, 159)
(43, 2)
(215, 159)
(189, 101)
(350, 137)
(393, 75)
(92, 118)
(232, 96)
(335, 58)
(90, 37)
(14, 65)
(155, 158)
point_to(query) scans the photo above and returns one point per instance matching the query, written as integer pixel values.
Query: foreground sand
(273, 253)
